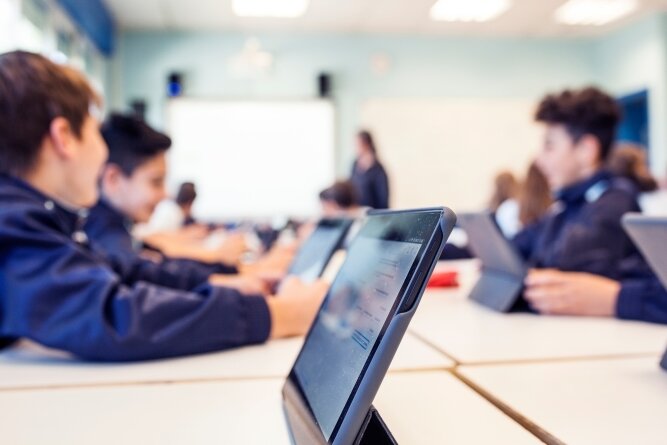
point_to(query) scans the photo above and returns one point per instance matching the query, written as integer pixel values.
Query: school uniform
(583, 232)
(372, 186)
(109, 232)
(642, 299)
(642, 295)
(57, 291)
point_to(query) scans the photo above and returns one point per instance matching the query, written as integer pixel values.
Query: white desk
(420, 408)
(32, 366)
(614, 401)
(470, 333)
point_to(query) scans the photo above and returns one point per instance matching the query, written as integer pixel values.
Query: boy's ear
(589, 150)
(111, 175)
(62, 137)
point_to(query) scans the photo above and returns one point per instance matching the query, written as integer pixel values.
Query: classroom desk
(470, 333)
(420, 408)
(33, 366)
(610, 401)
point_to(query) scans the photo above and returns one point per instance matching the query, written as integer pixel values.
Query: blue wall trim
(93, 17)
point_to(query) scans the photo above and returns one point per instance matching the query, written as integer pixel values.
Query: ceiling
(527, 18)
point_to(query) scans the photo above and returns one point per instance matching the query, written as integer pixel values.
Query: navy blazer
(57, 291)
(583, 232)
(108, 231)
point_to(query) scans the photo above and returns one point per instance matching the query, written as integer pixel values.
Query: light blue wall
(634, 59)
(420, 67)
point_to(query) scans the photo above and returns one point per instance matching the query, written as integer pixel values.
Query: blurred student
(57, 291)
(629, 161)
(533, 200)
(638, 295)
(369, 177)
(582, 232)
(505, 188)
(132, 183)
(340, 200)
(174, 214)
(504, 204)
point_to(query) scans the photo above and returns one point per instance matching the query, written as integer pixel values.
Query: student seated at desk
(174, 214)
(131, 185)
(583, 231)
(340, 200)
(56, 290)
(629, 160)
(532, 202)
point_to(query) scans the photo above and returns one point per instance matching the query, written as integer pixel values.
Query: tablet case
(300, 430)
(497, 290)
(374, 431)
(503, 271)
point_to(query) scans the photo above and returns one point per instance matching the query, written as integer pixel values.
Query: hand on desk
(246, 284)
(272, 267)
(554, 292)
(231, 248)
(294, 307)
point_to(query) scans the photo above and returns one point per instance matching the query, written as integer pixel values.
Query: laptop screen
(355, 313)
(317, 250)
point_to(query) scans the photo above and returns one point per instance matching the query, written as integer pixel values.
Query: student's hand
(295, 306)
(231, 249)
(554, 292)
(195, 232)
(247, 285)
(272, 267)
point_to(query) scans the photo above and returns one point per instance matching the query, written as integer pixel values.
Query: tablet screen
(317, 250)
(354, 314)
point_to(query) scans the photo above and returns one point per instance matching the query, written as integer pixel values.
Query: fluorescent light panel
(468, 10)
(594, 12)
(270, 8)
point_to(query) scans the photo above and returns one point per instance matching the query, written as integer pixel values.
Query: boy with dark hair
(131, 185)
(185, 199)
(53, 288)
(583, 232)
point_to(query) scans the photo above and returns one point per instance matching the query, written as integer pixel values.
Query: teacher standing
(368, 175)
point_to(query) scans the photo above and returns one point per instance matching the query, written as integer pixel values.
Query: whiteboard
(447, 151)
(252, 159)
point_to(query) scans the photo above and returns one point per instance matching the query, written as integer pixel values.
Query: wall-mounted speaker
(175, 84)
(324, 85)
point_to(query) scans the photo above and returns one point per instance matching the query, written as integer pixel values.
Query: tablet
(503, 270)
(328, 393)
(649, 233)
(315, 253)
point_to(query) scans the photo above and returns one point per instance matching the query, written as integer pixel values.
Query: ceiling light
(269, 8)
(468, 10)
(594, 12)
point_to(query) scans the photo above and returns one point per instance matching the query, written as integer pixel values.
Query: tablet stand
(663, 363)
(374, 431)
(496, 290)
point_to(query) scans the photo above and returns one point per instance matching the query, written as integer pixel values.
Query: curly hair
(588, 111)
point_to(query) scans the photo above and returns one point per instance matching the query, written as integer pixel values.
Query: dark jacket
(372, 186)
(583, 232)
(108, 232)
(58, 292)
(642, 296)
